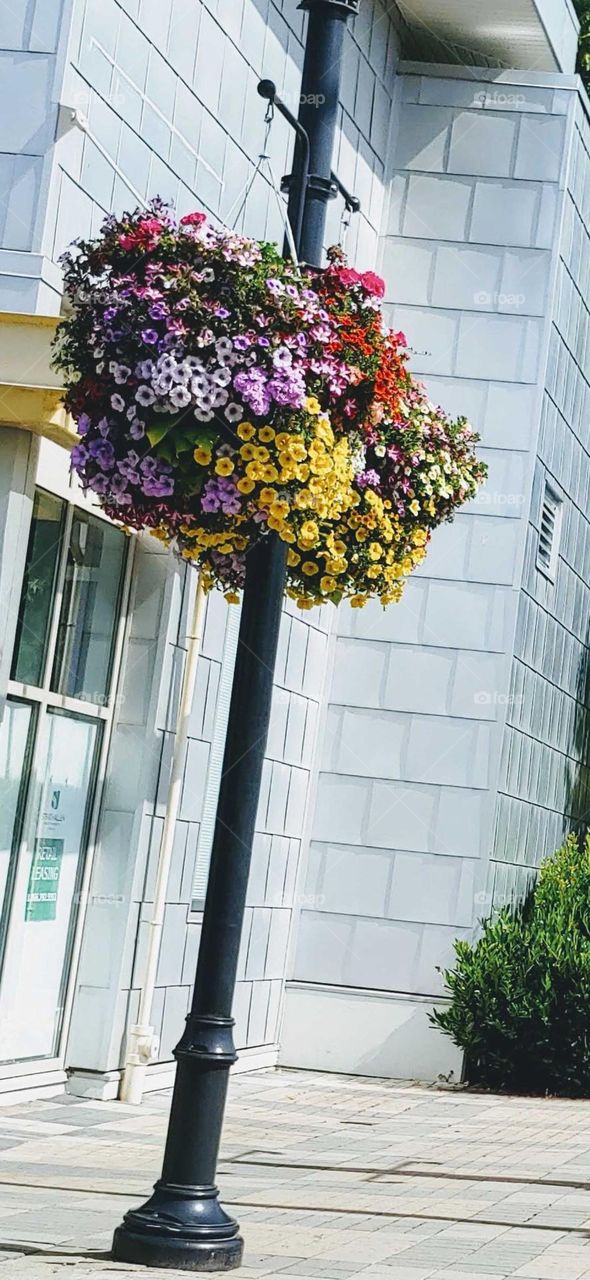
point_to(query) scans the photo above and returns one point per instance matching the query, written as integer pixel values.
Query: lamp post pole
(183, 1225)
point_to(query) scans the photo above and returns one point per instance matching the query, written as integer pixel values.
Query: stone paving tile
(474, 1198)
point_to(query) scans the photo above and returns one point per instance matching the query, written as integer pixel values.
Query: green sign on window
(41, 902)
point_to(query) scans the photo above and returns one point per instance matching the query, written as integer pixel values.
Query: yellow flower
(267, 496)
(279, 509)
(268, 472)
(246, 431)
(282, 440)
(312, 405)
(358, 601)
(337, 565)
(202, 456)
(266, 434)
(232, 597)
(247, 452)
(297, 451)
(414, 507)
(293, 558)
(303, 602)
(224, 467)
(245, 485)
(309, 567)
(253, 471)
(261, 454)
(419, 537)
(240, 543)
(309, 531)
(328, 584)
(375, 551)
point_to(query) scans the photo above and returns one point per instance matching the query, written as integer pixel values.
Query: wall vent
(549, 532)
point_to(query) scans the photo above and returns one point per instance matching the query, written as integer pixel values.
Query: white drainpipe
(142, 1042)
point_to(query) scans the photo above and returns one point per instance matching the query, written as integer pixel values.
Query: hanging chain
(241, 200)
(345, 221)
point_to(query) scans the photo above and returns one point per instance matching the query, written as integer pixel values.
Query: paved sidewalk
(331, 1177)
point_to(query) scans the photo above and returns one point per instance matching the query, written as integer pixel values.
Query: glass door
(45, 896)
(53, 742)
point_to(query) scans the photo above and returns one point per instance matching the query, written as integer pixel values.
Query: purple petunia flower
(83, 424)
(144, 396)
(98, 484)
(367, 478)
(103, 453)
(79, 456)
(150, 337)
(180, 396)
(158, 486)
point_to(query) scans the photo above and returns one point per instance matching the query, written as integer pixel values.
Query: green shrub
(520, 995)
(583, 63)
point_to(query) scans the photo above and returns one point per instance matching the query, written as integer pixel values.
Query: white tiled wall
(404, 817)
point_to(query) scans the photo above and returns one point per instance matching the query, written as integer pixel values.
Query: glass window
(14, 738)
(38, 588)
(87, 624)
(46, 890)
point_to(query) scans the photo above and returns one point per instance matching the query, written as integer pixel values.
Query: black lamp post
(183, 1225)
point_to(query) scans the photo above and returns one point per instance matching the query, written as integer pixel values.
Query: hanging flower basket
(412, 466)
(222, 393)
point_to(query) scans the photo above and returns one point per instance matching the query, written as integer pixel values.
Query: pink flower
(373, 284)
(348, 276)
(193, 219)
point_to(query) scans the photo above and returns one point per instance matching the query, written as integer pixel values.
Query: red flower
(193, 219)
(348, 276)
(143, 236)
(373, 284)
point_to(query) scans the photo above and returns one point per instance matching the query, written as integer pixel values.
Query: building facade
(421, 760)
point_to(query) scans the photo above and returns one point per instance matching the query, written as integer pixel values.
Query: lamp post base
(185, 1232)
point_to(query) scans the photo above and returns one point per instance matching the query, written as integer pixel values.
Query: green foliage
(520, 996)
(583, 63)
